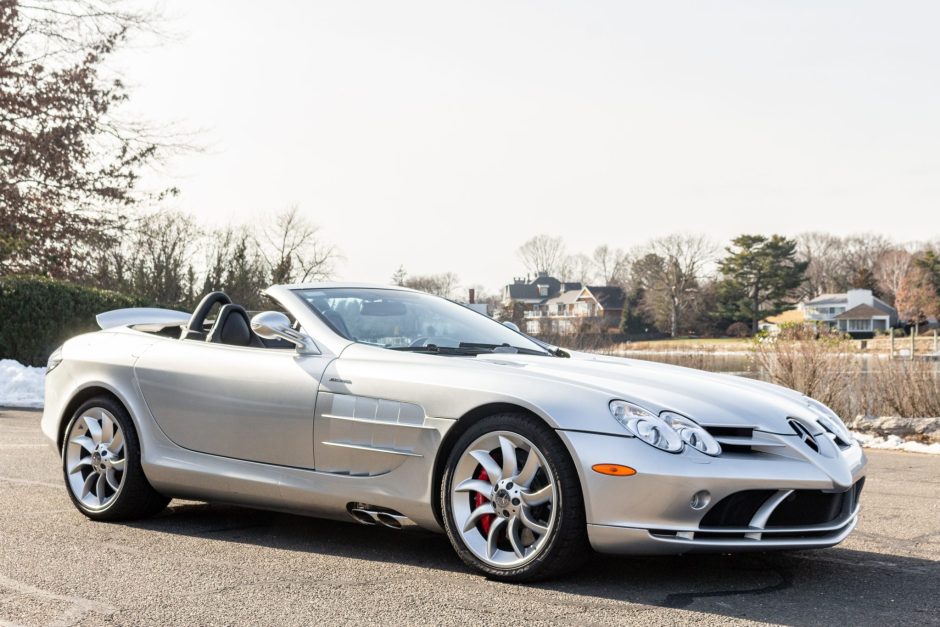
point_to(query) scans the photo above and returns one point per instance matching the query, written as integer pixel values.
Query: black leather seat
(233, 327)
(194, 329)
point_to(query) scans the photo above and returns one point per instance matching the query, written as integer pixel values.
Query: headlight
(829, 420)
(644, 425)
(691, 433)
(54, 360)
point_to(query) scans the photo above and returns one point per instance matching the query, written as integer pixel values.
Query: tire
(102, 451)
(537, 528)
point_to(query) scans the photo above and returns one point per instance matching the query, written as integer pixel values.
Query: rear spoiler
(146, 318)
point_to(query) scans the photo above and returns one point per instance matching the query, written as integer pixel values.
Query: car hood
(709, 398)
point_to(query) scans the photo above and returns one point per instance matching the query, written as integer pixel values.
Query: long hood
(709, 398)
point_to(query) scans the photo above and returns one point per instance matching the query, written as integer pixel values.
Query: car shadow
(835, 585)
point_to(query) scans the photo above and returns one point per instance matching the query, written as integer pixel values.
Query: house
(857, 312)
(527, 292)
(553, 306)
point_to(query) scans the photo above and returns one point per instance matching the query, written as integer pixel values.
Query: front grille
(815, 507)
(733, 439)
(802, 508)
(736, 510)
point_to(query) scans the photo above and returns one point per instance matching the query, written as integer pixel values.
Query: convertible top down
(391, 407)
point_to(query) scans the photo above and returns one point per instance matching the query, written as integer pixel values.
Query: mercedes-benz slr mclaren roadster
(391, 407)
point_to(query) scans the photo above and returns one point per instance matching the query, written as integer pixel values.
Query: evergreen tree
(759, 277)
(634, 320)
(929, 262)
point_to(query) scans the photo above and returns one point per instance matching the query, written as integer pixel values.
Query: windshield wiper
(503, 348)
(434, 349)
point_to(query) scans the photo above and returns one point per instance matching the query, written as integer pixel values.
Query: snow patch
(895, 443)
(21, 386)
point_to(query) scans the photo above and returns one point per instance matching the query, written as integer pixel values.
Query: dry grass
(692, 344)
(822, 365)
(904, 388)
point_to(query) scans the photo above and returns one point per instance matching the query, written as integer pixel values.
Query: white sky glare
(441, 135)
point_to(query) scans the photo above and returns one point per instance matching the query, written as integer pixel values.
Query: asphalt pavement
(206, 564)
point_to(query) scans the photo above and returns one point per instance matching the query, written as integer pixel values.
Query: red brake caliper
(478, 499)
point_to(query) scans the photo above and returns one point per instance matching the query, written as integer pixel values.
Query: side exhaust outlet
(374, 515)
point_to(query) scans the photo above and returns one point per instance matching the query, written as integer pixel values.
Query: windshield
(414, 321)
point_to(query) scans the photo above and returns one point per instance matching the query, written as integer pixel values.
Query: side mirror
(512, 325)
(272, 325)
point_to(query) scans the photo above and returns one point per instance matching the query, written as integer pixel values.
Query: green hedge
(38, 314)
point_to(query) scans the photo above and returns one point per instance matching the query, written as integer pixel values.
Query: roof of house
(861, 312)
(884, 307)
(828, 299)
(841, 299)
(608, 296)
(530, 291)
(791, 315)
(565, 298)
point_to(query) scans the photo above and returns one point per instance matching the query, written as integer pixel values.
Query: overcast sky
(441, 135)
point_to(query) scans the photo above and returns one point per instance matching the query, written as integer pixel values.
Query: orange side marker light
(614, 470)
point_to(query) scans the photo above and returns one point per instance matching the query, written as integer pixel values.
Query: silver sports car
(391, 407)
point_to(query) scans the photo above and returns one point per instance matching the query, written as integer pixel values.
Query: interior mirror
(512, 325)
(272, 325)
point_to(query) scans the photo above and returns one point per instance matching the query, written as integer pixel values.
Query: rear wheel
(101, 462)
(512, 501)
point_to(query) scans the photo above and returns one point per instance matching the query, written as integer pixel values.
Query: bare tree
(890, 270)
(399, 276)
(438, 284)
(576, 268)
(860, 254)
(218, 249)
(293, 250)
(917, 297)
(542, 253)
(823, 253)
(612, 265)
(669, 274)
(152, 260)
(69, 162)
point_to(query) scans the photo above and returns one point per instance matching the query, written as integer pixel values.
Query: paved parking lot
(214, 564)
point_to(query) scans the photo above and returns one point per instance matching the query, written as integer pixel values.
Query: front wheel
(101, 462)
(512, 501)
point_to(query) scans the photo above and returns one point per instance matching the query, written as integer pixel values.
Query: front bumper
(654, 511)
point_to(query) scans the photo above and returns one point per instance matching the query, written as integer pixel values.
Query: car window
(397, 319)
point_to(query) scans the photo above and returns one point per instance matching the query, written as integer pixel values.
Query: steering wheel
(193, 329)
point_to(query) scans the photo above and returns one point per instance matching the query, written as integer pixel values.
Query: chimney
(473, 296)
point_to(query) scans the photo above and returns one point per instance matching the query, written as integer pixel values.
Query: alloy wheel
(503, 496)
(94, 458)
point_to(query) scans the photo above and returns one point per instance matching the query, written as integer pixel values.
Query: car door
(246, 403)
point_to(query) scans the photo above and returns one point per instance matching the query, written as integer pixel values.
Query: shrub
(38, 314)
(818, 363)
(810, 360)
(904, 388)
(738, 329)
